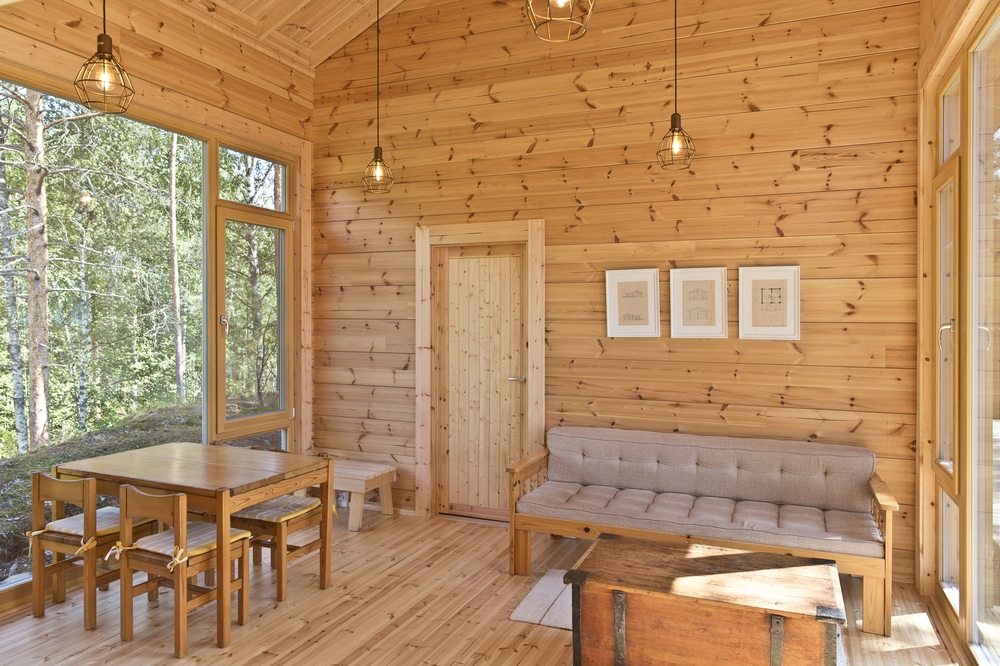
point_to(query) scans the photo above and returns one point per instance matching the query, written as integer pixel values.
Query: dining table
(218, 480)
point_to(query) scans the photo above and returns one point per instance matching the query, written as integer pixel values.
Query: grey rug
(548, 603)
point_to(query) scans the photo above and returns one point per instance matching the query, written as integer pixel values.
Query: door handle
(950, 326)
(224, 322)
(517, 379)
(989, 336)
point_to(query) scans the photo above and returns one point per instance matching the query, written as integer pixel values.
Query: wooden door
(479, 390)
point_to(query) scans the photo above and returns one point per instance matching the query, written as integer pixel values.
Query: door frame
(530, 233)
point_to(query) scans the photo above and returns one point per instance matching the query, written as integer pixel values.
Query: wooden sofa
(803, 498)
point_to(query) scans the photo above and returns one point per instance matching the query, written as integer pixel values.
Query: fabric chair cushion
(765, 523)
(279, 509)
(108, 522)
(200, 539)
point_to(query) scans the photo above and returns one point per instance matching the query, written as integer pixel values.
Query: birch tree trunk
(85, 319)
(37, 265)
(10, 306)
(180, 359)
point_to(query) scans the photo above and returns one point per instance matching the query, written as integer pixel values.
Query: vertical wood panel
(805, 116)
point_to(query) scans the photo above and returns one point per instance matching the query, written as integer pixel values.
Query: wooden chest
(646, 602)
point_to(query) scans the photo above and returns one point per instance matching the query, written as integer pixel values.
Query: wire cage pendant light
(378, 176)
(676, 149)
(102, 83)
(559, 20)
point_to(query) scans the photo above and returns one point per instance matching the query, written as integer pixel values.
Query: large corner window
(102, 235)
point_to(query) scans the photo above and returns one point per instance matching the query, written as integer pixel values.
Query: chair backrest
(169, 509)
(80, 492)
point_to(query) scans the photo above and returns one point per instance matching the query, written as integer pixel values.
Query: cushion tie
(117, 550)
(85, 546)
(31, 537)
(178, 558)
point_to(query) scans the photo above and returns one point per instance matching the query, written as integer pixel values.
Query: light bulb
(559, 4)
(378, 172)
(104, 79)
(676, 145)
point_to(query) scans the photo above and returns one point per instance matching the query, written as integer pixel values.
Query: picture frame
(769, 302)
(633, 303)
(698, 303)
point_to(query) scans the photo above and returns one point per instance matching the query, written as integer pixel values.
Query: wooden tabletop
(194, 468)
(775, 583)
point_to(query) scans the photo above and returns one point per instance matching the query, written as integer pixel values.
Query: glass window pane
(985, 309)
(946, 325)
(275, 440)
(948, 550)
(251, 180)
(951, 119)
(255, 323)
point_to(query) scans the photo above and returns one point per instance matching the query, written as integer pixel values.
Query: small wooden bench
(358, 477)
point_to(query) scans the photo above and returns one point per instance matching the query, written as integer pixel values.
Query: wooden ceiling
(310, 31)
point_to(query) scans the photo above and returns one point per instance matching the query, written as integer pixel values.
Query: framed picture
(698, 303)
(633, 303)
(769, 303)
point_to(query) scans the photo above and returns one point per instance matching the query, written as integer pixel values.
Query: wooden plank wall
(805, 119)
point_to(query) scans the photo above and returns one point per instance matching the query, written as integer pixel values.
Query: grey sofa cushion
(807, 474)
(787, 525)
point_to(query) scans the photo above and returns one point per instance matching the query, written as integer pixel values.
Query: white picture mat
(717, 303)
(651, 279)
(785, 278)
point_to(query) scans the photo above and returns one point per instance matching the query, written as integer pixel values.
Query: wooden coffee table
(646, 602)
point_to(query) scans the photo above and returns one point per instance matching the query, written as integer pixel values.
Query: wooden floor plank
(405, 591)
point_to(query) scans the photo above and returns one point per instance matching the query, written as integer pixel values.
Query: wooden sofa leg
(520, 552)
(877, 606)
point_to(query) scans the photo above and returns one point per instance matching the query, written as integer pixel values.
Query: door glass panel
(946, 326)
(948, 551)
(951, 120)
(985, 309)
(254, 325)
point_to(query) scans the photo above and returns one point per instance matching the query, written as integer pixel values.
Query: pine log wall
(805, 119)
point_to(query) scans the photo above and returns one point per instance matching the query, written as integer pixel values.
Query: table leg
(325, 528)
(223, 582)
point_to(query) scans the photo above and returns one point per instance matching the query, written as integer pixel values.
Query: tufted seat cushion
(766, 523)
(108, 522)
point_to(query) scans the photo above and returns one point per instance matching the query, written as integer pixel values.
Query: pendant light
(559, 20)
(378, 175)
(676, 147)
(103, 84)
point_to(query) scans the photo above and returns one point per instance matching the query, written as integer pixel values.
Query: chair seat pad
(279, 509)
(200, 540)
(108, 522)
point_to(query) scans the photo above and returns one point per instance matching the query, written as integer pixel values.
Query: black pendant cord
(675, 57)
(378, 77)
(104, 14)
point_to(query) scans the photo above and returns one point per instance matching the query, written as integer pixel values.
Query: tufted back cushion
(826, 476)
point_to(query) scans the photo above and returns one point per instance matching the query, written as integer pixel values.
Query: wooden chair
(172, 557)
(84, 538)
(271, 522)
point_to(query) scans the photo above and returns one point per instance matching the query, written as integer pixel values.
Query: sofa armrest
(520, 473)
(528, 466)
(883, 496)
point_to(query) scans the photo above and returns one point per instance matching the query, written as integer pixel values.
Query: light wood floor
(405, 591)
